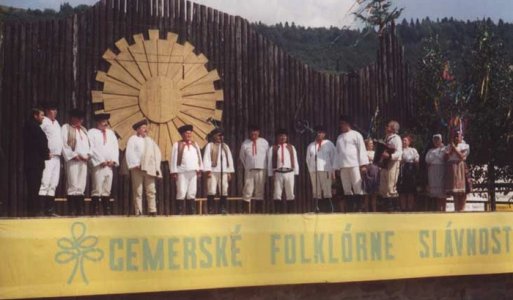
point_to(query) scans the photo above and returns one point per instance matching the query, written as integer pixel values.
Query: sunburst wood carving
(163, 81)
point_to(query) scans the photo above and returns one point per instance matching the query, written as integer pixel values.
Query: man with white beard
(389, 172)
(143, 158)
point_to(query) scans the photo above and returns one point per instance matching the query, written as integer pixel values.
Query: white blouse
(436, 156)
(410, 155)
(464, 148)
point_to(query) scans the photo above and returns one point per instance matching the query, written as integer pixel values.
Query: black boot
(349, 203)
(326, 206)
(180, 207)
(397, 204)
(317, 205)
(49, 205)
(210, 205)
(41, 206)
(191, 206)
(222, 206)
(358, 201)
(322, 206)
(93, 211)
(278, 206)
(354, 203)
(291, 207)
(329, 205)
(71, 205)
(80, 205)
(107, 206)
(390, 204)
(259, 207)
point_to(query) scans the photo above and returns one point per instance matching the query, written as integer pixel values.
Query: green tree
(377, 13)
(490, 132)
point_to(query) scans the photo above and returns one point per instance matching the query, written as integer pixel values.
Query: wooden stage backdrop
(58, 60)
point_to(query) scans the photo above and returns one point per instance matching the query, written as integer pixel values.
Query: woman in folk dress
(435, 160)
(456, 154)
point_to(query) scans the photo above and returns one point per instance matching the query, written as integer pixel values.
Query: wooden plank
(123, 114)
(151, 50)
(173, 132)
(6, 91)
(126, 60)
(199, 76)
(215, 96)
(113, 102)
(119, 73)
(82, 93)
(13, 147)
(153, 131)
(204, 127)
(175, 68)
(138, 52)
(113, 86)
(211, 34)
(188, 20)
(208, 104)
(198, 89)
(164, 50)
(182, 26)
(164, 142)
(200, 113)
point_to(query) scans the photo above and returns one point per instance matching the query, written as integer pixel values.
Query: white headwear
(437, 136)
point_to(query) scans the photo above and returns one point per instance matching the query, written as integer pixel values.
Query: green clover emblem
(78, 248)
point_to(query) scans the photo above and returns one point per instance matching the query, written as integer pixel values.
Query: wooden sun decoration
(162, 81)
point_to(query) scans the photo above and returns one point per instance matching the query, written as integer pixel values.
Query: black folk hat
(253, 127)
(185, 128)
(77, 113)
(320, 128)
(139, 124)
(101, 117)
(281, 131)
(215, 132)
(50, 105)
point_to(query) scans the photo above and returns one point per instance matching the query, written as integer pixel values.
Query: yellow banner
(86, 256)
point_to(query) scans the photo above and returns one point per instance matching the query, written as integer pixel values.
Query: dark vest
(275, 156)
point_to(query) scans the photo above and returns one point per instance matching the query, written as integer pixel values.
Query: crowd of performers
(372, 175)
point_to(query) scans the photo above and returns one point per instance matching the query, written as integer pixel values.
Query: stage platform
(48, 257)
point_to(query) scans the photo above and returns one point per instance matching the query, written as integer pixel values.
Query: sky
(325, 13)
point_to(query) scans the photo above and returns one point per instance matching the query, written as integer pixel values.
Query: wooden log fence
(57, 60)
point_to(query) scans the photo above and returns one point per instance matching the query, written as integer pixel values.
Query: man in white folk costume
(218, 167)
(389, 173)
(351, 160)
(253, 155)
(52, 169)
(282, 165)
(143, 159)
(76, 152)
(185, 167)
(320, 157)
(104, 158)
